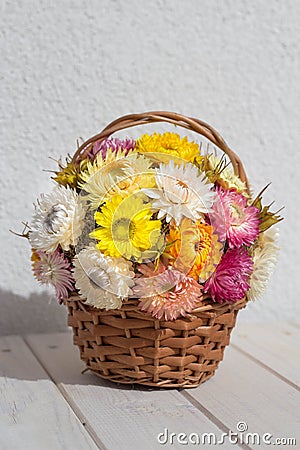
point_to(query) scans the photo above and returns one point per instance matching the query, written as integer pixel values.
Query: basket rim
(205, 305)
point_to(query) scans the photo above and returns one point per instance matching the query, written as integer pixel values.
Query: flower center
(167, 282)
(237, 214)
(99, 278)
(123, 229)
(117, 175)
(48, 273)
(124, 184)
(182, 184)
(54, 217)
(168, 286)
(198, 246)
(177, 192)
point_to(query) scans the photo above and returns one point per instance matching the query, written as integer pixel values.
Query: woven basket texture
(129, 346)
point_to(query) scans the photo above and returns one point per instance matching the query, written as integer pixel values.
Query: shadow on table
(41, 315)
(38, 313)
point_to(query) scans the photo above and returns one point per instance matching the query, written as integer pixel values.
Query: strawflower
(112, 144)
(103, 282)
(168, 294)
(58, 220)
(181, 192)
(53, 269)
(218, 171)
(233, 219)
(194, 249)
(160, 147)
(265, 256)
(116, 174)
(126, 228)
(230, 281)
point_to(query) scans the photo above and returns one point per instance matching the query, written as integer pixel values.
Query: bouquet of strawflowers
(159, 220)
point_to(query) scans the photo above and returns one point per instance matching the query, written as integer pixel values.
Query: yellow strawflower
(126, 228)
(160, 147)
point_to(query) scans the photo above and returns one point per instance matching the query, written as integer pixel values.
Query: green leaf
(267, 218)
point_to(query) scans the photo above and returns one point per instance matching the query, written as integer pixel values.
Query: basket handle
(196, 125)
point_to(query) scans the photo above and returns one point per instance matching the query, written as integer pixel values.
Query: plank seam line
(209, 415)
(266, 367)
(80, 416)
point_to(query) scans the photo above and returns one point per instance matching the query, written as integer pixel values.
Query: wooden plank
(122, 416)
(33, 413)
(275, 345)
(242, 390)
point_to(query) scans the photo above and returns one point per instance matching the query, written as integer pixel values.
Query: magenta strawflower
(114, 144)
(53, 269)
(233, 219)
(230, 281)
(167, 294)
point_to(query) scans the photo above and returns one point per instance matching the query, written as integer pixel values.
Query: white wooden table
(46, 403)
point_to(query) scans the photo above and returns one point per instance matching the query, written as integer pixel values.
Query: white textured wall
(67, 68)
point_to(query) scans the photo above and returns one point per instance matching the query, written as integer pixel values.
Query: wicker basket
(129, 346)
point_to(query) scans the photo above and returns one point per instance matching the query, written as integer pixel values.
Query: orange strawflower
(193, 248)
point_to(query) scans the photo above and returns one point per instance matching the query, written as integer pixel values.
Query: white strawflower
(102, 280)
(181, 192)
(265, 257)
(58, 220)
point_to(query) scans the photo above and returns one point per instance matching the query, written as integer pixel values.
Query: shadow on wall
(39, 313)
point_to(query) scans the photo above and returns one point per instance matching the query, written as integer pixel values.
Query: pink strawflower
(114, 144)
(54, 269)
(167, 294)
(233, 219)
(230, 281)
